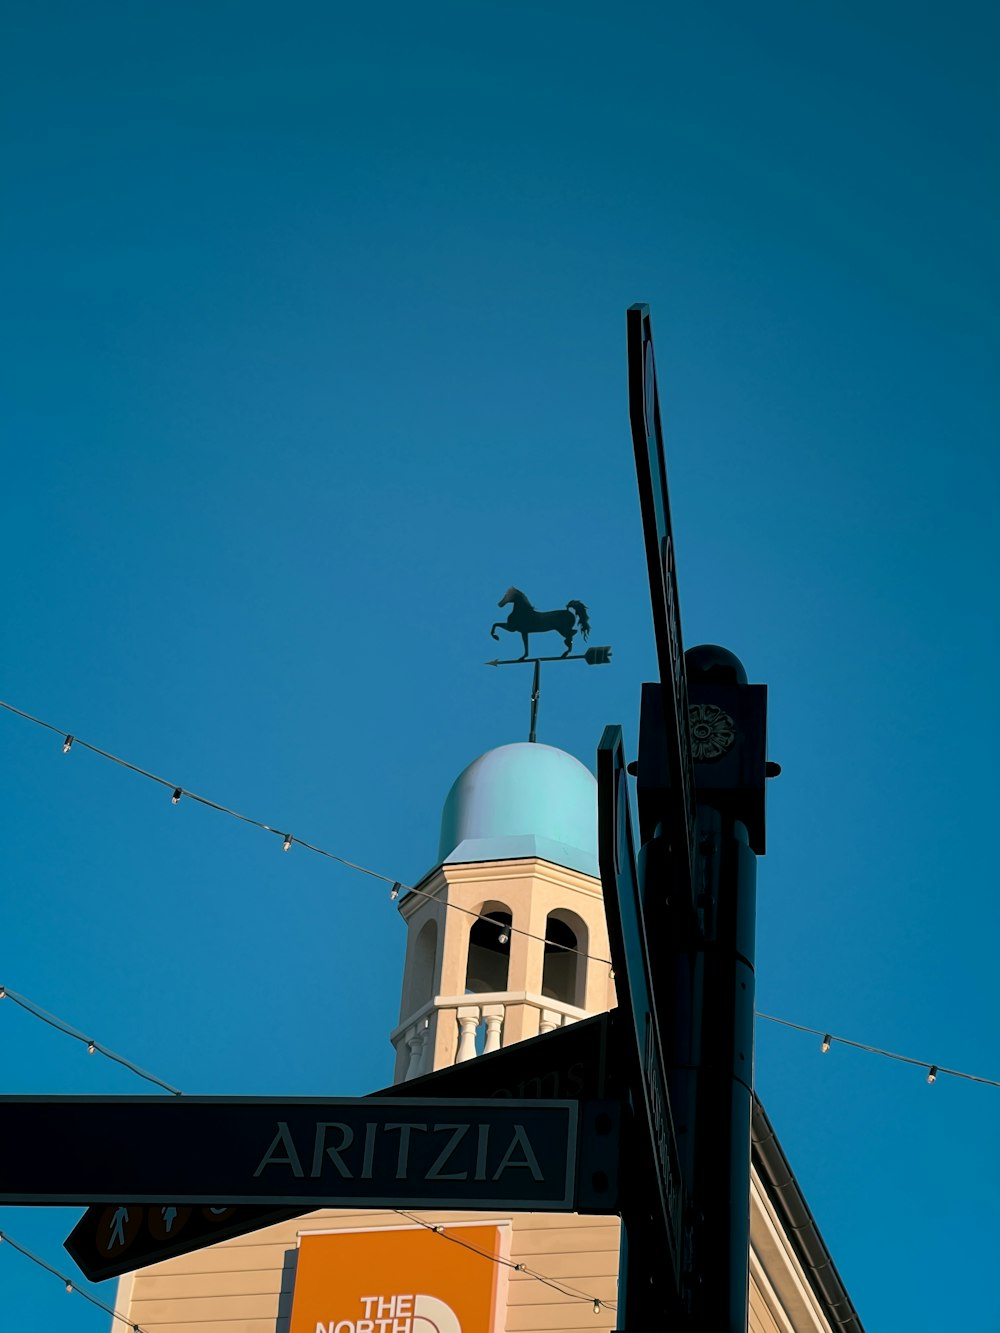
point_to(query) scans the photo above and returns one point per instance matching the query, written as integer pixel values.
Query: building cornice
(437, 880)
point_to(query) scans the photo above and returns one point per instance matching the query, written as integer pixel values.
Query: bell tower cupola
(506, 935)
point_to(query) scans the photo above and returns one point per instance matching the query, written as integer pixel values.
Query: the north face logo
(397, 1314)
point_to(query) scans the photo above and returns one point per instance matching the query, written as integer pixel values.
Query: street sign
(654, 504)
(692, 999)
(631, 958)
(310, 1151)
(574, 1062)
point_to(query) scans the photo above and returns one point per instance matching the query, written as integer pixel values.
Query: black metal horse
(525, 620)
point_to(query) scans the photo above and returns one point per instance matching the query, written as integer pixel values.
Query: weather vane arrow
(596, 656)
(525, 620)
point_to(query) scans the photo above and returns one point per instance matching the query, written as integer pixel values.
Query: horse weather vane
(525, 620)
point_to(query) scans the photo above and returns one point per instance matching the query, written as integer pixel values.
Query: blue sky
(313, 343)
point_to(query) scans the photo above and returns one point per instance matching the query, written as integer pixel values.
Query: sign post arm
(658, 538)
(651, 1193)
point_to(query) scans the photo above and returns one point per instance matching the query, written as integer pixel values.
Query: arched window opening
(421, 970)
(489, 951)
(562, 970)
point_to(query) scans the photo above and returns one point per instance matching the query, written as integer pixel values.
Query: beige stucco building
(506, 939)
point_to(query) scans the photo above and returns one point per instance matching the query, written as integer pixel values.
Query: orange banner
(398, 1280)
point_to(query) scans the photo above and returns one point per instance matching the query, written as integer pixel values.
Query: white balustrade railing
(480, 1022)
(470, 1018)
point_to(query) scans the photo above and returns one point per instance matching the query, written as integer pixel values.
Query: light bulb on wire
(286, 846)
(67, 744)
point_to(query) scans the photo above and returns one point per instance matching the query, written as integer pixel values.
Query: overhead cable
(440, 1228)
(93, 1046)
(397, 887)
(933, 1070)
(7, 1239)
(287, 840)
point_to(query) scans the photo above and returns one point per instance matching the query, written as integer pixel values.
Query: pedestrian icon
(118, 1228)
(167, 1221)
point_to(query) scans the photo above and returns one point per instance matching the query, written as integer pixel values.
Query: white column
(493, 1013)
(468, 1022)
(415, 1045)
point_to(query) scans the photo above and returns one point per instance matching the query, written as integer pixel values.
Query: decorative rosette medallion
(712, 732)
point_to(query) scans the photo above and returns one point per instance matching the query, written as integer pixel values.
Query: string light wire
(439, 1228)
(71, 739)
(93, 1046)
(286, 838)
(829, 1038)
(7, 1239)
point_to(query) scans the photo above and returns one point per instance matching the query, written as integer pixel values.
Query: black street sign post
(716, 978)
(575, 1062)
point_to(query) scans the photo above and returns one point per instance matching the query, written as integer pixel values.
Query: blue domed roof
(519, 801)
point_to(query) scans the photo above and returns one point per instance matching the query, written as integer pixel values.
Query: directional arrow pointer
(597, 656)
